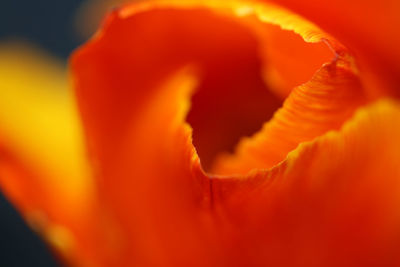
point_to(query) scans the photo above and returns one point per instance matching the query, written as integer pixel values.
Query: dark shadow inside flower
(253, 69)
(231, 102)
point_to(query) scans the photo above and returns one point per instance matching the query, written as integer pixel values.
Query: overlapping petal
(292, 195)
(368, 28)
(323, 104)
(134, 91)
(134, 112)
(333, 202)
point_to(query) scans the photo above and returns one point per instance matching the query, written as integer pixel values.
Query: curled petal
(320, 105)
(134, 80)
(333, 202)
(368, 28)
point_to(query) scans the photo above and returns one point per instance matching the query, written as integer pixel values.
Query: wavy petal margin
(368, 28)
(333, 202)
(153, 205)
(134, 90)
(323, 104)
(375, 42)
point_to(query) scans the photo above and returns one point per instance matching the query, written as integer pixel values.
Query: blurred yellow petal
(38, 119)
(43, 165)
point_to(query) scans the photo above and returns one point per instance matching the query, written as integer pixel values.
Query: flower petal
(134, 80)
(289, 61)
(43, 168)
(37, 112)
(320, 105)
(333, 202)
(368, 28)
(134, 91)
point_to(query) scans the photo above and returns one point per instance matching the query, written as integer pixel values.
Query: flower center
(231, 102)
(247, 72)
(232, 99)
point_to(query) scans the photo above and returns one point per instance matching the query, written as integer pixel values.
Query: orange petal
(243, 68)
(145, 159)
(333, 202)
(368, 28)
(133, 81)
(289, 61)
(320, 105)
(134, 92)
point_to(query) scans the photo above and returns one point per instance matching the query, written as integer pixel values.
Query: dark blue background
(50, 25)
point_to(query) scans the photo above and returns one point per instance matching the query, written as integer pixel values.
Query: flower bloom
(167, 90)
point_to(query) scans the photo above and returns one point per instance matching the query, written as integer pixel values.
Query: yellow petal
(38, 119)
(43, 164)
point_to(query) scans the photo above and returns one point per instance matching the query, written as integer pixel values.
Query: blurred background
(53, 27)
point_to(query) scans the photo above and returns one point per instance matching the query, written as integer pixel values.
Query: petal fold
(368, 28)
(333, 202)
(134, 81)
(312, 109)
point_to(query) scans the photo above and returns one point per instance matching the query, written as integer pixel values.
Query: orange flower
(170, 185)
